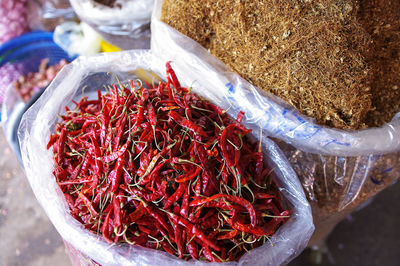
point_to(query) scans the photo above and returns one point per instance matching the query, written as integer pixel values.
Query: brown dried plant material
(109, 3)
(335, 60)
(381, 19)
(309, 53)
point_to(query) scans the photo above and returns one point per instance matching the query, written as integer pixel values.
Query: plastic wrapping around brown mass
(334, 60)
(339, 169)
(337, 185)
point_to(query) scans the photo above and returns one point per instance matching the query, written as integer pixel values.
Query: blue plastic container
(30, 49)
(26, 51)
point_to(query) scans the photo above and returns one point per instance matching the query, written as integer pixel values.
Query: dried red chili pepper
(186, 123)
(176, 196)
(162, 168)
(193, 230)
(114, 178)
(88, 204)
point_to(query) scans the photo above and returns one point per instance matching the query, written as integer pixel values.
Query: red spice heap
(161, 168)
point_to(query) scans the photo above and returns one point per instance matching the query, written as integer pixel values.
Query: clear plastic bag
(40, 120)
(126, 25)
(338, 169)
(47, 14)
(11, 111)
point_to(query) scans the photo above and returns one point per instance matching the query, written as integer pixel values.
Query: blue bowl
(34, 53)
(27, 51)
(30, 48)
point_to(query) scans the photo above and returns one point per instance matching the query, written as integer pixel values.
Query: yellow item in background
(108, 48)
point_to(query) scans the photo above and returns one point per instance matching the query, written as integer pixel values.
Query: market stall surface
(368, 237)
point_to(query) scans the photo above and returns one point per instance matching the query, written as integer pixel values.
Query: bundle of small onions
(13, 19)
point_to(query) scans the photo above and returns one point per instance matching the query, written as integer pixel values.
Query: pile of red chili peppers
(157, 166)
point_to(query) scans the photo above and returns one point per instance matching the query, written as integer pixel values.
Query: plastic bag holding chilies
(40, 120)
(337, 168)
(125, 25)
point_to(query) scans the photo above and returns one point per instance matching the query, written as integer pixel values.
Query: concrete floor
(369, 237)
(27, 236)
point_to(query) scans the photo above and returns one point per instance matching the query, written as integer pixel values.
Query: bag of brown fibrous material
(334, 66)
(316, 55)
